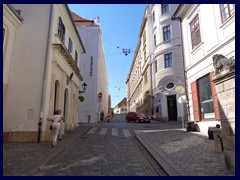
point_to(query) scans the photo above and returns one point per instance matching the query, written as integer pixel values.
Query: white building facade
(93, 68)
(157, 67)
(166, 64)
(207, 29)
(43, 74)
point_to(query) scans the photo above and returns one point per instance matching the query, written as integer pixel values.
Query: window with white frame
(195, 32)
(166, 33)
(145, 78)
(168, 60)
(145, 56)
(227, 10)
(165, 8)
(205, 98)
(144, 36)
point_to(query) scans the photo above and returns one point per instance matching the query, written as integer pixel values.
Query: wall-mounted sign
(91, 66)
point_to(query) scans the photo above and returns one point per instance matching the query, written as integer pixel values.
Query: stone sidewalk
(183, 153)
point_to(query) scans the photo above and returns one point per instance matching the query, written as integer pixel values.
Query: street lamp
(84, 85)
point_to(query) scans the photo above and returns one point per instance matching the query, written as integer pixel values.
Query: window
(145, 78)
(166, 33)
(205, 98)
(195, 32)
(155, 41)
(227, 10)
(76, 57)
(144, 36)
(70, 46)
(61, 30)
(153, 16)
(155, 63)
(145, 56)
(168, 60)
(165, 8)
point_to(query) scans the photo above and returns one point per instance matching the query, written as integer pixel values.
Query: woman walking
(55, 119)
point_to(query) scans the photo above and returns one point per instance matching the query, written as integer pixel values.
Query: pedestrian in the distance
(55, 119)
(102, 116)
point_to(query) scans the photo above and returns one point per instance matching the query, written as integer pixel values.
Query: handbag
(50, 127)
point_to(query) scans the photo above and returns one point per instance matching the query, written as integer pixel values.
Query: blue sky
(120, 25)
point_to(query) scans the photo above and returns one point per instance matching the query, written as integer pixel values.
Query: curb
(161, 161)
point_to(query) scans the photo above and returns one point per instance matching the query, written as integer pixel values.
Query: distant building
(93, 68)
(121, 107)
(41, 73)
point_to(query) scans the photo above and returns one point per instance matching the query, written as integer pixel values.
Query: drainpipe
(185, 84)
(44, 75)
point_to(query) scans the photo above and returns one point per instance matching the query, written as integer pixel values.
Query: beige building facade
(44, 73)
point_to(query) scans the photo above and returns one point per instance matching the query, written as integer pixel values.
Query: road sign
(100, 95)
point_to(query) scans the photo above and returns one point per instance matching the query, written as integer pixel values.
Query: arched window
(65, 110)
(56, 95)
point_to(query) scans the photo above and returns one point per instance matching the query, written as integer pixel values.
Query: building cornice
(64, 52)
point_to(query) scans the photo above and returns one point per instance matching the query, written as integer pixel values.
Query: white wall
(217, 38)
(96, 83)
(22, 108)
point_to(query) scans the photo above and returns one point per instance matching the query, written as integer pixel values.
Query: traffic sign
(100, 95)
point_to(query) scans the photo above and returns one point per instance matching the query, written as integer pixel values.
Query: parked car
(137, 117)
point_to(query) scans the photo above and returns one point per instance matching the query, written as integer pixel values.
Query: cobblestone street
(104, 155)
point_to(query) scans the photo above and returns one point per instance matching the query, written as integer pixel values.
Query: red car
(137, 117)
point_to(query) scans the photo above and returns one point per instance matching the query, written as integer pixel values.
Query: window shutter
(195, 99)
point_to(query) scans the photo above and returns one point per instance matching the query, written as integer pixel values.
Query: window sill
(207, 120)
(197, 47)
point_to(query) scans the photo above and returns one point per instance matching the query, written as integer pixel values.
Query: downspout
(44, 76)
(185, 80)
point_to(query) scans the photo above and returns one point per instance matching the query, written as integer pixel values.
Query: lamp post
(84, 85)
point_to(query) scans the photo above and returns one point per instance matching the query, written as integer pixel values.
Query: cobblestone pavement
(22, 159)
(184, 153)
(117, 149)
(103, 151)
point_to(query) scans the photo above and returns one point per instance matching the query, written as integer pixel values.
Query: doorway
(172, 108)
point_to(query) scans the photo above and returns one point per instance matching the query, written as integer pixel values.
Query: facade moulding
(64, 52)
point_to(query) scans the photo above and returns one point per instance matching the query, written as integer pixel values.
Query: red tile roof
(77, 18)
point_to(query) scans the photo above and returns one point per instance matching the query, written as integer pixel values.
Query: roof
(122, 103)
(77, 18)
(14, 12)
(70, 15)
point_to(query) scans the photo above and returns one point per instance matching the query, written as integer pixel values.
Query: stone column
(224, 81)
